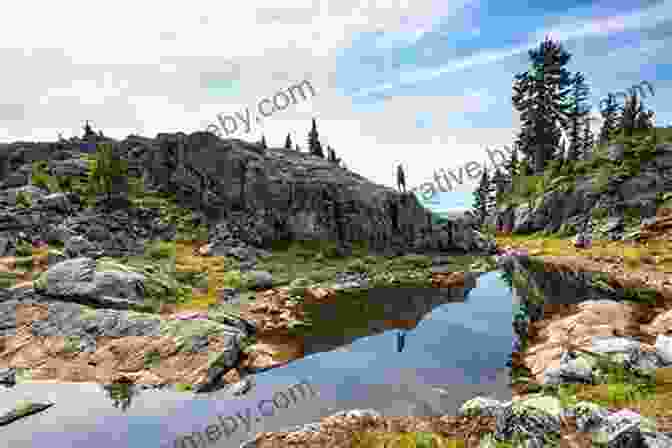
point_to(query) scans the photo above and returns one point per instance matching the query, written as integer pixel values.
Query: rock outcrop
(263, 195)
(574, 207)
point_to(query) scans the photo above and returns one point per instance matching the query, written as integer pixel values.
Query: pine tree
(611, 118)
(525, 169)
(511, 165)
(587, 140)
(108, 169)
(288, 142)
(480, 206)
(314, 145)
(263, 142)
(577, 115)
(331, 155)
(497, 184)
(540, 95)
(634, 117)
(88, 131)
(645, 120)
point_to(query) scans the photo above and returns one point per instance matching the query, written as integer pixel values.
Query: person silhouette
(401, 340)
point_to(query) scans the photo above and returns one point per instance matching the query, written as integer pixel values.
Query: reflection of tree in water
(121, 393)
(508, 278)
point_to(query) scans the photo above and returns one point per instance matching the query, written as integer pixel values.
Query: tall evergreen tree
(497, 186)
(634, 117)
(511, 166)
(539, 94)
(314, 144)
(288, 142)
(332, 155)
(587, 140)
(481, 198)
(579, 110)
(263, 142)
(611, 118)
(525, 169)
(108, 169)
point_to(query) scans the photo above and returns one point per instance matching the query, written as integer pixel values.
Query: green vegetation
(152, 359)
(107, 168)
(72, 344)
(41, 178)
(371, 439)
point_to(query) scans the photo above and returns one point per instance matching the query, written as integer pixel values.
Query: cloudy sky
(425, 83)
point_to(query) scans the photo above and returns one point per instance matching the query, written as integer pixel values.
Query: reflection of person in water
(401, 340)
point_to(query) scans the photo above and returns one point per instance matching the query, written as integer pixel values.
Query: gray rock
(8, 377)
(664, 348)
(56, 201)
(259, 280)
(241, 387)
(616, 152)
(78, 246)
(77, 280)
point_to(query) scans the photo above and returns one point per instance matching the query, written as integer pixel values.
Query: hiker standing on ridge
(401, 179)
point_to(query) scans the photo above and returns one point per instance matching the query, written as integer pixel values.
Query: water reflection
(121, 394)
(401, 340)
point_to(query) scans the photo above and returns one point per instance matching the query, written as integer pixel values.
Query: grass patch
(72, 344)
(370, 439)
(184, 330)
(152, 359)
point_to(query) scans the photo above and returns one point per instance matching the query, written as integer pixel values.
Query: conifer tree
(511, 165)
(288, 142)
(540, 95)
(634, 117)
(314, 145)
(481, 198)
(263, 142)
(107, 169)
(587, 140)
(579, 110)
(497, 186)
(611, 118)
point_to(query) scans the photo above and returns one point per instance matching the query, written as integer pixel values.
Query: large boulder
(77, 280)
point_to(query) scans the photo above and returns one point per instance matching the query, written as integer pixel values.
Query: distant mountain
(447, 205)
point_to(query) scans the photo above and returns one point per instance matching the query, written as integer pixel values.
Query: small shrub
(183, 387)
(24, 249)
(162, 249)
(23, 200)
(232, 279)
(72, 344)
(357, 266)
(415, 261)
(152, 359)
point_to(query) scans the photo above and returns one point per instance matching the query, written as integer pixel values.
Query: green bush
(24, 249)
(357, 266)
(23, 199)
(162, 249)
(41, 178)
(152, 359)
(72, 344)
(599, 213)
(233, 279)
(415, 261)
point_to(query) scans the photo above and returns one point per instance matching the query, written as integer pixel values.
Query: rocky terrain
(182, 278)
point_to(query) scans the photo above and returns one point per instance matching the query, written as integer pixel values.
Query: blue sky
(425, 83)
(447, 201)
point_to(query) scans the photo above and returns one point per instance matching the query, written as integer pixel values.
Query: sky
(427, 83)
